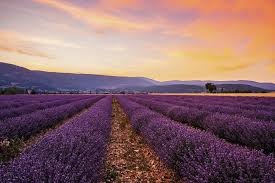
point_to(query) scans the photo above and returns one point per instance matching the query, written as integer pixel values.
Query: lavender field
(137, 138)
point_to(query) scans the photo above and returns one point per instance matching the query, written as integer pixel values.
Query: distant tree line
(16, 90)
(211, 88)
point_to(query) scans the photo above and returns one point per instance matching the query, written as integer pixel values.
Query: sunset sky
(160, 39)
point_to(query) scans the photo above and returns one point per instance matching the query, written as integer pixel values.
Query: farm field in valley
(137, 138)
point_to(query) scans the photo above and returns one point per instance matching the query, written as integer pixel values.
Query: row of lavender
(18, 98)
(228, 100)
(197, 155)
(23, 100)
(265, 103)
(28, 124)
(74, 152)
(6, 99)
(260, 111)
(235, 129)
(31, 107)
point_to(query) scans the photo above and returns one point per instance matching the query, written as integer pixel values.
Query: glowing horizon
(162, 40)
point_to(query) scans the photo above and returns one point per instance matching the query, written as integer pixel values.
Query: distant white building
(29, 91)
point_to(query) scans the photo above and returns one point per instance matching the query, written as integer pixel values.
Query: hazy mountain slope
(19, 76)
(11, 74)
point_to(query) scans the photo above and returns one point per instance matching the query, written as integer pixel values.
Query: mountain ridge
(15, 75)
(11, 75)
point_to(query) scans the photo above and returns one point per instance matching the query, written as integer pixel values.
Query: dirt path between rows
(129, 159)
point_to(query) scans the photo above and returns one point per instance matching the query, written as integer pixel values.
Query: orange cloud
(228, 22)
(98, 19)
(17, 43)
(213, 60)
(33, 53)
(12, 36)
(118, 5)
(233, 68)
(220, 6)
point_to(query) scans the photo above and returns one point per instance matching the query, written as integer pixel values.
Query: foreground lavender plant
(196, 155)
(73, 153)
(29, 124)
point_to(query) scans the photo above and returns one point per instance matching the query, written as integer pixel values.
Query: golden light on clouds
(162, 39)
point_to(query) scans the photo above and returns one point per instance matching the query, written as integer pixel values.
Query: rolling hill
(19, 76)
(12, 75)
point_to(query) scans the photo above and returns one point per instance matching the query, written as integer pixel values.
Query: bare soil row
(129, 158)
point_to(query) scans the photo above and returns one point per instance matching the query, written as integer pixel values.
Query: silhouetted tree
(210, 87)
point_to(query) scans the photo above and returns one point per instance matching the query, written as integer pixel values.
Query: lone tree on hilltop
(210, 87)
